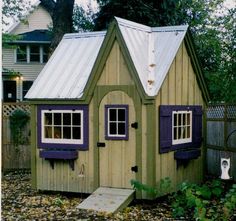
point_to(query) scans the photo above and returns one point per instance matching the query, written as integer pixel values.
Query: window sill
(29, 63)
(184, 156)
(53, 155)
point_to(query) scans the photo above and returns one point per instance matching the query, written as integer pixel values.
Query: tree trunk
(61, 12)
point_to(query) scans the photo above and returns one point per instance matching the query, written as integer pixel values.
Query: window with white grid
(62, 126)
(181, 127)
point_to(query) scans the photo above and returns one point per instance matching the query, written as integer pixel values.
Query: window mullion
(41, 54)
(117, 121)
(28, 53)
(53, 125)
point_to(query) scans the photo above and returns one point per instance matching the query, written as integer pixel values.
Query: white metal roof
(67, 71)
(152, 51)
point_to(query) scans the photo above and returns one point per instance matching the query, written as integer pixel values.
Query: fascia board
(196, 66)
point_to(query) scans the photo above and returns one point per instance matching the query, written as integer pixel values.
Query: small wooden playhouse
(113, 106)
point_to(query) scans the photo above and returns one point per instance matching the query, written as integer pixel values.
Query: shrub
(18, 122)
(204, 201)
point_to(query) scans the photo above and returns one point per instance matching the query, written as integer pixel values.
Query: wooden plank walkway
(108, 200)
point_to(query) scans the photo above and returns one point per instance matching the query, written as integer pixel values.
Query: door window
(116, 117)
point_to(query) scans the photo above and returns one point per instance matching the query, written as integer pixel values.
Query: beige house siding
(38, 19)
(29, 71)
(179, 88)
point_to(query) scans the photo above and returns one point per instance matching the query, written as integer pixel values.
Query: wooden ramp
(108, 200)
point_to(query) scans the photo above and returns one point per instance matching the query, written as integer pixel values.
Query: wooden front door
(117, 141)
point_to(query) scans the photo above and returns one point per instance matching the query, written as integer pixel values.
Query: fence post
(225, 127)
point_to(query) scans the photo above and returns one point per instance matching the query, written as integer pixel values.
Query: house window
(21, 53)
(181, 127)
(34, 53)
(116, 117)
(45, 53)
(26, 87)
(63, 127)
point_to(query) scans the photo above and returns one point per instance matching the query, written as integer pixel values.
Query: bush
(205, 201)
(18, 122)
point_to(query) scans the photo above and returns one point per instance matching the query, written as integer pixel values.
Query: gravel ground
(21, 202)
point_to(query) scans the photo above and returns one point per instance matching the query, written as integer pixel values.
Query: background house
(119, 105)
(24, 58)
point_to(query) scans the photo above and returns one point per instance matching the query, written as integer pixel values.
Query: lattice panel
(231, 111)
(216, 111)
(7, 109)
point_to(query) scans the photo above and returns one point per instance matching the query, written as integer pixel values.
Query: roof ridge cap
(170, 28)
(132, 24)
(84, 34)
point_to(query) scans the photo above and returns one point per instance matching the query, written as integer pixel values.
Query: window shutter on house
(165, 129)
(197, 126)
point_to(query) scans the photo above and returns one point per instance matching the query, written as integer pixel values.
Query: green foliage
(82, 19)
(139, 186)
(18, 122)
(162, 188)
(14, 9)
(58, 202)
(153, 13)
(229, 202)
(201, 201)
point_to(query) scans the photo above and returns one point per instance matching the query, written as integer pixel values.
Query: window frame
(35, 53)
(81, 144)
(166, 131)
(26, 85)
(18, 52)
(117, 136)
(181, 126)
(42, 54)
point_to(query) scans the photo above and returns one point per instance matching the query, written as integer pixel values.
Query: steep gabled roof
(16, 23)
(148, 51)
(25, 15)
(152, 51)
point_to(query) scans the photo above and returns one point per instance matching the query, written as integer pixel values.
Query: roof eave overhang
(196, 66)
(55, 101)
(29, 42)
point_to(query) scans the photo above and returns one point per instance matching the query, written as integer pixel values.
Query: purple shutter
(197, 126)
(165, 129)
